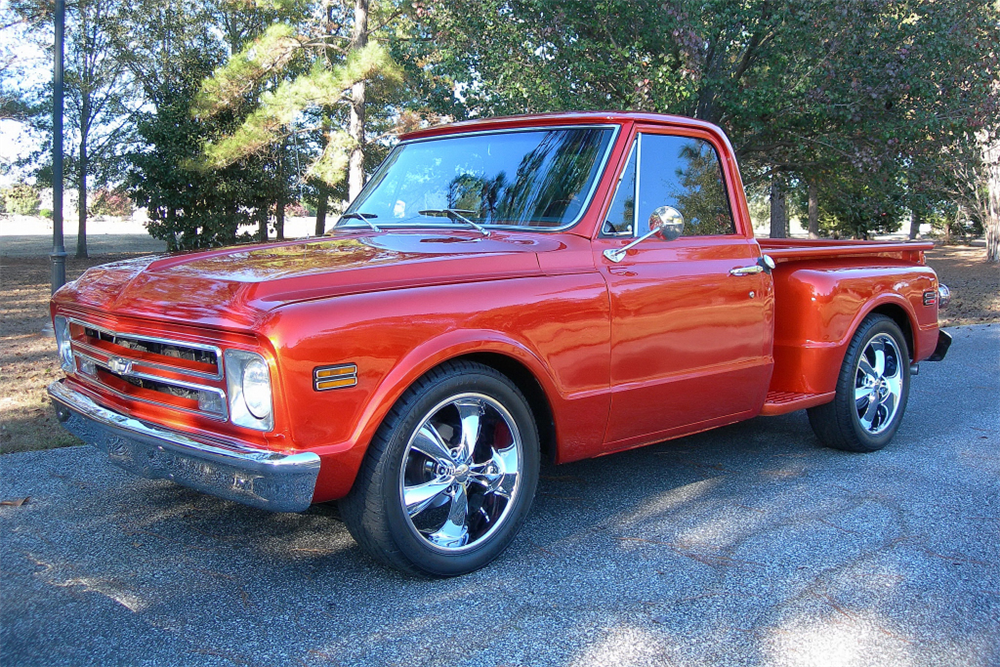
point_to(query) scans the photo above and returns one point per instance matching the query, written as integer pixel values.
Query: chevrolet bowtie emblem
(119, 365)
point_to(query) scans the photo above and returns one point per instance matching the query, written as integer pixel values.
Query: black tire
(451, 441)
(870, 402)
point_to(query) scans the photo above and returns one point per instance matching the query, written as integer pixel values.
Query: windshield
(538, 178)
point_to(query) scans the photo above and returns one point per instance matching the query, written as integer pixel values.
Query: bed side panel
(820, 303)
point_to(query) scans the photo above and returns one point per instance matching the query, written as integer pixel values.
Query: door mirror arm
(665, 222)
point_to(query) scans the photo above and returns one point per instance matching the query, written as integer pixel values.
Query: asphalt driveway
(749, 545)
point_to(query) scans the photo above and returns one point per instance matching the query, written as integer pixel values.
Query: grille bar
(139, 361)
(174, 374)
(163, 353)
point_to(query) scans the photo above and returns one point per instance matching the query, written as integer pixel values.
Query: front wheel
(872, 390)
(450, 475)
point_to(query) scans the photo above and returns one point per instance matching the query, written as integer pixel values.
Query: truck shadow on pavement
(749, 544)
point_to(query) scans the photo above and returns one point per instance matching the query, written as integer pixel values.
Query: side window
(621, 215)
(683, 172)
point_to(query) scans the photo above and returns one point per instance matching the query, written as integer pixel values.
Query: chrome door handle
(746, 270)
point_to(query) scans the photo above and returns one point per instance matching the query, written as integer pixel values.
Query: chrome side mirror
(668, 223)
(665, 222)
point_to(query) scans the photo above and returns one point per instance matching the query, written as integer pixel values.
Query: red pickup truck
(565, 285)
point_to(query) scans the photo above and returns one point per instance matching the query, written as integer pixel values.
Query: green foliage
(861, 206)
(811, 88)
(171, 49)
(244, 100)
(191, 208)
(21, 199)
(45, 213)
(322, 86)
(231, 83)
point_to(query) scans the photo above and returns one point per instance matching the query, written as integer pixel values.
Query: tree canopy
(883, 106)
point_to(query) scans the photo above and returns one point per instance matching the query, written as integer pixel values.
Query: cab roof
(563, 118)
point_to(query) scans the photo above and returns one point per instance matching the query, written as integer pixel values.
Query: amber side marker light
(335, 377)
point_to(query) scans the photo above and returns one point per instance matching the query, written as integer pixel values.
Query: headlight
(257, 388)
(248, 380)
(64, 343)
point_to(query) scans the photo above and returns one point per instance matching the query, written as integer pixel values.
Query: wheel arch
(518, 363)
(898, 314)
(838, 424)
(892, 306)
(809, 354)
(538, 400)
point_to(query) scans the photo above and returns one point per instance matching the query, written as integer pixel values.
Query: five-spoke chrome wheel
(872, 389)
(878, 383)
(460, 471)
(450, 475)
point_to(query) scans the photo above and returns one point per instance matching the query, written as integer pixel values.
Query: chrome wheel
(872, 390)
(460, 472)
(878, 383)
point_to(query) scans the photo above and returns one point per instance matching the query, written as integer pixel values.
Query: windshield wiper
(455, 214)
(364, 217)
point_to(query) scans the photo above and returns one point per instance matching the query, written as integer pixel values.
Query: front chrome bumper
(257, 477)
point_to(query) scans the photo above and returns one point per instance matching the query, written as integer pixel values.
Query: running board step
(783, 402)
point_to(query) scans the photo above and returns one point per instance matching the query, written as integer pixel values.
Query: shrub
(22, 199)
(296, 210)
(45, 213)
(111, 202)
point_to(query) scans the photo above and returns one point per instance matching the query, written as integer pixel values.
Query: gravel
(748, 545)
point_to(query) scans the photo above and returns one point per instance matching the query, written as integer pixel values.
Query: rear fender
(819, 309)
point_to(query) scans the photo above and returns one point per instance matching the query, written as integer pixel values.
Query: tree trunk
(991, 156)
(282, 199)
(916, 219)
(813, 210)
(321, 211)
(279, 216)
(81, 172)
(356, 173)
(262, 230)
(779, 210)
(172, 238)
(948, 225)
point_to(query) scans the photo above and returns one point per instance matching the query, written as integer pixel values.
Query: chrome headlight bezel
(64, 343)
(248, 385)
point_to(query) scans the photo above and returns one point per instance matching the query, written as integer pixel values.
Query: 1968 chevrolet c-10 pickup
(565, 285)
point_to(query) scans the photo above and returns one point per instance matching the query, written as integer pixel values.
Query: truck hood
(234, 287)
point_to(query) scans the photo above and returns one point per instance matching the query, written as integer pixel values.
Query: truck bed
(823, 288)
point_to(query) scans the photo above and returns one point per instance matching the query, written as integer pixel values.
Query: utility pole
(58, 249)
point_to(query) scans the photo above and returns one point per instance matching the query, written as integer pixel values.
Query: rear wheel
(872, 390)
(450, 475)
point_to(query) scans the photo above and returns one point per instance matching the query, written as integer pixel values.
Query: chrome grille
(176, 374)
(168, 350)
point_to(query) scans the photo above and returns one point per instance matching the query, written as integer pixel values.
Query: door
(691, 318)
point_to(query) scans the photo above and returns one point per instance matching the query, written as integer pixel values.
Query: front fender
(557, 327)
(433, 353)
